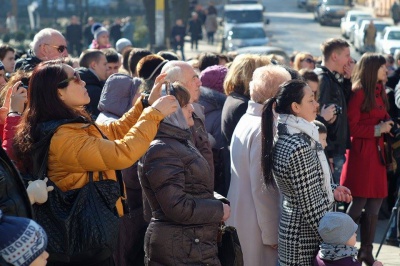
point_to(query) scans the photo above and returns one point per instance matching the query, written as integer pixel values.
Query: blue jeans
(338, 161)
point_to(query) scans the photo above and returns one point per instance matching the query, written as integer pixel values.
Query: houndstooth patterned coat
(299, 176)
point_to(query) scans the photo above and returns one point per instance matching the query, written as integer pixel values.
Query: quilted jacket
(179, 187)
(78, 148)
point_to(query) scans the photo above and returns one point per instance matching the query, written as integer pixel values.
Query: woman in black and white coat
(296, 160)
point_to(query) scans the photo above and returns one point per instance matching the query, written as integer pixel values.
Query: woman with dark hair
(365, 169)
(297, 162)
(178, 184)
(56, 93)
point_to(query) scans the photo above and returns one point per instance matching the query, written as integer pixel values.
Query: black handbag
(81, 224)
(229, 249)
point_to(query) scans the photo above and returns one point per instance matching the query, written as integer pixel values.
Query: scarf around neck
(336, 252)
(297, 125)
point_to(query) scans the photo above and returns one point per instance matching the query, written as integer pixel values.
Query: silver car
(242, 36)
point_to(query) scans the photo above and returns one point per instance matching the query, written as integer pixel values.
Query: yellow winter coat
(78, 148)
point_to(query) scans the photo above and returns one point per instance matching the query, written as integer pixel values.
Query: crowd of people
(282, 143)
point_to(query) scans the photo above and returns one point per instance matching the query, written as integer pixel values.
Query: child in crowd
(338, 232)
(323, 133)
(22, 242)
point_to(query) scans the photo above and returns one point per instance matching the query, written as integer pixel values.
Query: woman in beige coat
(255, 209)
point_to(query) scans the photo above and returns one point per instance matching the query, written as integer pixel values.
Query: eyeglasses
(75, 77)
(60, 48)
(309, 60)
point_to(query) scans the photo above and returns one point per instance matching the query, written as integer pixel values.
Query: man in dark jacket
(47, 44)
(184, 73)
(178, 33)
(87, 32)
(115, 31)
(74, 36)
(195, 30)
(335, 88)
(93, 72)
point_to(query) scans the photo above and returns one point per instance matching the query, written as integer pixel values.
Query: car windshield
(244, 16)
(355, 17)
(247, 33)
(394, 35)
(337, 2)
(380, 27)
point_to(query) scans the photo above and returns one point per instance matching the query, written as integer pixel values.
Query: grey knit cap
(336, 228)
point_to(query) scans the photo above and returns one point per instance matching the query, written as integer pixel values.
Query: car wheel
(322, 23)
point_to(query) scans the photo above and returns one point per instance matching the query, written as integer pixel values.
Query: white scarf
(295, 125)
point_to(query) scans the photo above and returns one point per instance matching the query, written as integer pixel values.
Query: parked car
(264, 50)
(250, 14)
(360, 34)
(331, 11)
(350, 19)
(309, 5)
(244, 35)
(388, 41)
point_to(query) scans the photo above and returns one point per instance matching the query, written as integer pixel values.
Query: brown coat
(178, 184)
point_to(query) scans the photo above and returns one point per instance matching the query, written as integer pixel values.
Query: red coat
(363, 173)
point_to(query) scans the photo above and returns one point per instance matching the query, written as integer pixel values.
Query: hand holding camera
(330, 111)
(19, 97)
(386, 126)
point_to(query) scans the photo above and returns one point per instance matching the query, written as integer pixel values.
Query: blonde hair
(299, 58)
(266, 81)
(241, 71)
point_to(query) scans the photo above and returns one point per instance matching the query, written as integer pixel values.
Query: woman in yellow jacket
(56, 92)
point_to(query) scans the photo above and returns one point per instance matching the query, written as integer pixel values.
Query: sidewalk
(203, 47)
(372, 11)
(389, 255)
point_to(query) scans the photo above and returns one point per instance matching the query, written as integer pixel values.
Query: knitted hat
(213, 77)
(100, 31)
(22, 240)
(1, 66)
(336, 228)
(95, 26)
(121, 44)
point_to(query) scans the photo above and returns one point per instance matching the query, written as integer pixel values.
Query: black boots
(368, 228)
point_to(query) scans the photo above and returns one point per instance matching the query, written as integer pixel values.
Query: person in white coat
(255, 208)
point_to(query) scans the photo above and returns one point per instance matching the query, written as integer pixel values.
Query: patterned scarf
(336, 252)
(297, 125)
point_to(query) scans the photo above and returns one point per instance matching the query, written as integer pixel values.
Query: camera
(338, 109)
(24, 83)
(395, 130)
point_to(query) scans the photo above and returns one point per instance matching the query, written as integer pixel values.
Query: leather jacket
(14, 199)
(333, 91)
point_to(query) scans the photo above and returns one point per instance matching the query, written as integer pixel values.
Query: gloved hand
(38, 191)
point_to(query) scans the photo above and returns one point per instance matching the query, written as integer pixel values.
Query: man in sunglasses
(47, 44)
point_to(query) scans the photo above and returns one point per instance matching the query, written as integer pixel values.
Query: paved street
(294, 29)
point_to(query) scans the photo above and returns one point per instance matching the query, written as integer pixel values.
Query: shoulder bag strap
(118, 174)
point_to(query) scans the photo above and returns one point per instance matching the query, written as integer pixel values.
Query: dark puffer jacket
(179, 188)
(94, 87)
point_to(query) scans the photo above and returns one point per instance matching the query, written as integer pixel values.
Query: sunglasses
(309, 60)
(60, 48)
(75, 78)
